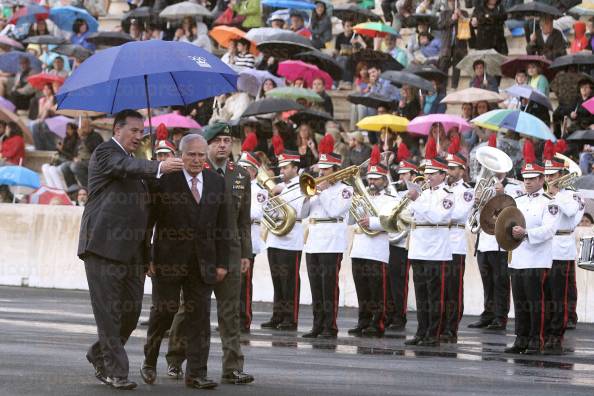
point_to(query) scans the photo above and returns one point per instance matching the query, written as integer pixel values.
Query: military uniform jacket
(464, 199)
(571, 210)
(259, 196)
(373, 247)
(542, 216)
(434, 207)
(294, 239)
(332, 203)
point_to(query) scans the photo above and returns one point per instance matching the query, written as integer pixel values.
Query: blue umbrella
(517, 121)
(294, 4)
(64, 18)
(9, 62)
(527, 92)
(19, 176)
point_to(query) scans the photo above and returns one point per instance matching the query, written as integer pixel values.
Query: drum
(586, 252)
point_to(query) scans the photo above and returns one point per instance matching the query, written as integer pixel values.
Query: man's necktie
(221, 172)
(194, 189)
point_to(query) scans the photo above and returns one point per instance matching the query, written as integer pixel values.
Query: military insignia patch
(468, 196)
(447, 204)
(261, 197)
(346, 194)
(553, 209)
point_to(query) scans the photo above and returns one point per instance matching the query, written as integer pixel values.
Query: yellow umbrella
(378, 123)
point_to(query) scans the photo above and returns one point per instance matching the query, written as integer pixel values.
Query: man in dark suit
(113, 242)
(190, 254)
(239, 246)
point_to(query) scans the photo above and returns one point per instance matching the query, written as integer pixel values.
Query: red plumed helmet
(493, 140)
(326, 145)
(278, 144)
(375, 155)
(454, 145)
(549, 151)
(528, 151)
(250, 142)
(561, 146)
(430, 149)
(403, 152)
(161, 133)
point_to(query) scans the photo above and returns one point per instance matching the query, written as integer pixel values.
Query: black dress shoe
(497, 324)
(287, 326)
(518, 347)
(121, 383)
(372, 331)
(327, 334)
(99, 371)
(356, 331)
(553, 346)
(479, 324)
(571, 325)
(397, 326)
(148, 374)
(175, 371)
(534, 348)
(200, 383)
(271, 324)
(237, 378)
(311, 334)
(413, 341)
(429, 342)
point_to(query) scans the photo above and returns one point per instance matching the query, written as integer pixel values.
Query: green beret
(216, 129)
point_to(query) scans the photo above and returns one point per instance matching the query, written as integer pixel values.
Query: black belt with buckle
(326, 220)
(256, 222)
(413, 226)
(564, 232)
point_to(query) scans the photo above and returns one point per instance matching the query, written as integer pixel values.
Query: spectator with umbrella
(13, 145)
(580, 117)
(565, 87)
(319, 88)
(580, 41)
(43, 138)
(267, 85)
(454, 44)
(357, 152)
(396, 52)
(39, 28)
(306, 145)
(481, 79)
(320, 25)
(243, 57)
(545, 39)
(22, 92)
(80, 28)
(251, 10)
(432, 100)
(487, 26)
(298, 24)
(408, 106)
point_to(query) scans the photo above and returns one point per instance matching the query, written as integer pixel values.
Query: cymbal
(492, 209)
(507, 219)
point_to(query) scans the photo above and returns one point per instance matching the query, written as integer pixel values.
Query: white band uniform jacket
(259, 196)
(571, 210)
(373, 247)
(542, 216)
(332, 203)
(434, 207)
(464, 199)
(488, 243)
(294, 239)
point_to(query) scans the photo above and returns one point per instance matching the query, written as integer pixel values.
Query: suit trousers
(429, 281)
(496, 285)
(371, 285)
(454, 294)
(399, 270)
(528, 290)
(557, 298)
(116, 291)
(284, 270)
(195, 335)
(322, 271)
(246, 295)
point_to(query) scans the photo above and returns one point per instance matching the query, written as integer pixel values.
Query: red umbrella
(510, 67)
(38, 81)
(49, 196)
(32, 13)
(292, 70)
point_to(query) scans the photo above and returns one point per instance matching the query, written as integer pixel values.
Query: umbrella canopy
(428, 72)
(73, 50)
(310, 115)
(19, 176)
(573, 59)
(400, 78)
(372, 57)
(527, 92)
(492, 59)
(223, 35)
(45, 195)
(422, 125)
(373, 100)
(64, 17)
(517, 121)
(38, 81)
(586, 8)
(472, 95)
(510, 67)
(7, 41)
(587, 134)
(259, 35)
(184, 9)
(534, 8)
(589, 105)
(294, 94)
(293, 4)
(324, 61)
(294, 69)
(45, 39)
(9, 61)
(132, 77)
(58, 125)
(378, 123)
(271, 105)
(174, 120)
(352, 12)
(251, 80)
(109, 39)
(29, 14)
(427, 19)
(79, 113)
(7, 104)
(139, 13)
(375, 29)
(285, 44)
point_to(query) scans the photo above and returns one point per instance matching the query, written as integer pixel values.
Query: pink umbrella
(174, 120)
(292, 70)
(7, 104)
(5, 40)
(589, 105)
(58, 125)
(422, 125)
(49, 196)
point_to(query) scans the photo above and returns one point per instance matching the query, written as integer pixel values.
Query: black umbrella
(371, 100)
(587, 134)
(428, 72)
(352, 12)
(271, 105)
(534, 8)
(44, 39)
(323, 61)
(573, 59)
(400, 78)
(139, 13)
(285, 44)
(109, 39)
(382, 59)
(415, 19)
(73, 50)
(310, 115)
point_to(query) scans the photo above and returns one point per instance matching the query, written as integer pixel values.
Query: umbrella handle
(148, 106)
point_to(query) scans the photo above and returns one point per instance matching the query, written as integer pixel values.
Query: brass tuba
(566, 180)
(281, 219)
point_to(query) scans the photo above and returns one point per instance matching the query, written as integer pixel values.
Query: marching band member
(571, 210)
(532, 260)
(430, 248)
(284, 252)
(326, 242)
(370, 255)
(454, 279)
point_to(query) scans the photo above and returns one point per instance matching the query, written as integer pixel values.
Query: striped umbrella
(517, 121)
(375, 29)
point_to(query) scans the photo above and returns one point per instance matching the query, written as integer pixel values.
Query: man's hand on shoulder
(221, 274)
(171, 165)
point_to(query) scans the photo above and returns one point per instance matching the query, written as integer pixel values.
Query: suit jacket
(115, 221)
(238, 198)
(189, 234)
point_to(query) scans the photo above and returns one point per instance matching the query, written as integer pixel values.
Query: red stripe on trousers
(334, 325)
(542, 308)
(441, 291)
(248, 297)
(405, 297)
(384, 298)
(296, 292)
